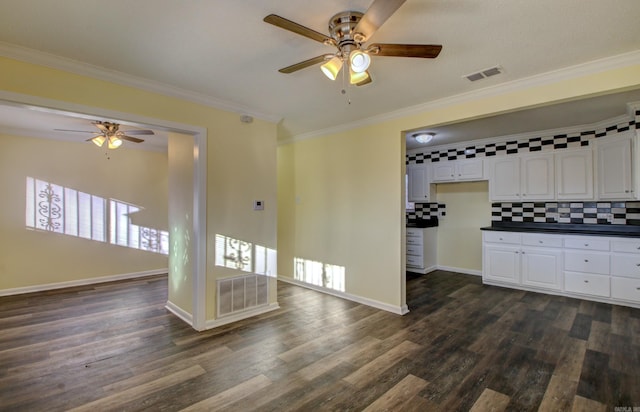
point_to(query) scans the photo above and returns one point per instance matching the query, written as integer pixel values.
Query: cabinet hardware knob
(501, 239)
(638, 247)
(637, 264)
(540, 241)
(626, 191)
(586, 260)
(586, 281)
(638, 288)
(586, 244)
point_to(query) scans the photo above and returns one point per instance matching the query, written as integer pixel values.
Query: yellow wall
(340, 204)
(34, 257)
(459, 238)
(240, 157)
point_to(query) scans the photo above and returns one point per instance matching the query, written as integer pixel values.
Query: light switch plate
(258, 205)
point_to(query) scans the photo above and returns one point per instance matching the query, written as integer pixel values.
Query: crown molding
(579, 70)
(40, 58)
(524, 136)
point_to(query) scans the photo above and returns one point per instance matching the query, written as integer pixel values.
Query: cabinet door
(537, 177)
(542, 267)
(504, 183)
(574, 174)
(444, 171)
(614, 169)
(469, 169)
(418, 183)
(502, 264)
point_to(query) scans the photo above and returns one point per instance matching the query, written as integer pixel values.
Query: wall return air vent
(483, 74)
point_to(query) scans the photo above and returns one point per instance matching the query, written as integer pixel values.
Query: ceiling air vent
(482, 74)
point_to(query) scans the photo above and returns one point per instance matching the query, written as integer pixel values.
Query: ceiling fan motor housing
(341, 28)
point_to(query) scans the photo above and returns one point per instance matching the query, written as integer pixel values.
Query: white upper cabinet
(615, 174)
(574, 174)
(517, 178)
(537, 177)
(419, 185)
(504, 179)
(458, 170)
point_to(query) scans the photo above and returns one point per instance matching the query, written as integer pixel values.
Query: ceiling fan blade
(306, 63)
(75, 131)
(131, 139)
(297, 28)
(427, 51)
(376, 15)
(140, 132)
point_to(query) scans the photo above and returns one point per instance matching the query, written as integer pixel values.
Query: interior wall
(180, 217)
(340, 208)
(240, 157)
(311, 228)
(31, 257)
(459, 236)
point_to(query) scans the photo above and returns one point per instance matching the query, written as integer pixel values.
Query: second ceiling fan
(348, 32)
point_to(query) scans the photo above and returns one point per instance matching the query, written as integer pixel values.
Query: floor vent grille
(241, 293)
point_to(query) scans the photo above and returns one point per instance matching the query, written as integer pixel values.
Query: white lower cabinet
(542, 268)
(518, 260)
(587, 284)
(625, 270)
(421, 250)
(606, 269)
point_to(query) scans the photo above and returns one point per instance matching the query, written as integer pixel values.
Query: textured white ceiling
(222, 49)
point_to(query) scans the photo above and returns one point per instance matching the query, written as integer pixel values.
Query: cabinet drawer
(586, 243)
(415, 250)
(587, 284)
(541, 240)
(627, 246)
(625, 265)
(415, 241)
(415, 261)
(502, 237)
(586, 262)
(626, 289)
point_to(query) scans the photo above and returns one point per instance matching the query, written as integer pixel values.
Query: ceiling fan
(349, 31)
(108, 132)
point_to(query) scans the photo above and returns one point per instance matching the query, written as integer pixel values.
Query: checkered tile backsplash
(605, 213)
(426, 211)
(535, 144)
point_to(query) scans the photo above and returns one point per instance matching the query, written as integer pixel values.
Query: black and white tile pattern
(535, 144)
(426, 211)
(600, 213)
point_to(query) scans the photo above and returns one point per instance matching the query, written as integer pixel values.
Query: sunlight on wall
(238, 254)
(319, 274)
(54, 208)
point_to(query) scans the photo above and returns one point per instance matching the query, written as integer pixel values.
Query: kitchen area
(554, 210)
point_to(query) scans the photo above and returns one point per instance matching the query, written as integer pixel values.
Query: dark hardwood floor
(463, 346)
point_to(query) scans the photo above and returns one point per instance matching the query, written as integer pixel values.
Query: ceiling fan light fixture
(332, 67)
(358, 78)
(359, 61)
(114, 142)
(423, 137)
(99, 140)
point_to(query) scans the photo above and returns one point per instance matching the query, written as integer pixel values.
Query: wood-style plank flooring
(463, 346)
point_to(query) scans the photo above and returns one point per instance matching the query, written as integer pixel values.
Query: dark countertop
(566, 229)
(422, 223)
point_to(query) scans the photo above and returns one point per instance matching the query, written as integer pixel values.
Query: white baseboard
(214, 323)
(461, 270)
(180, 313)
(398, 310)
(81, 282)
